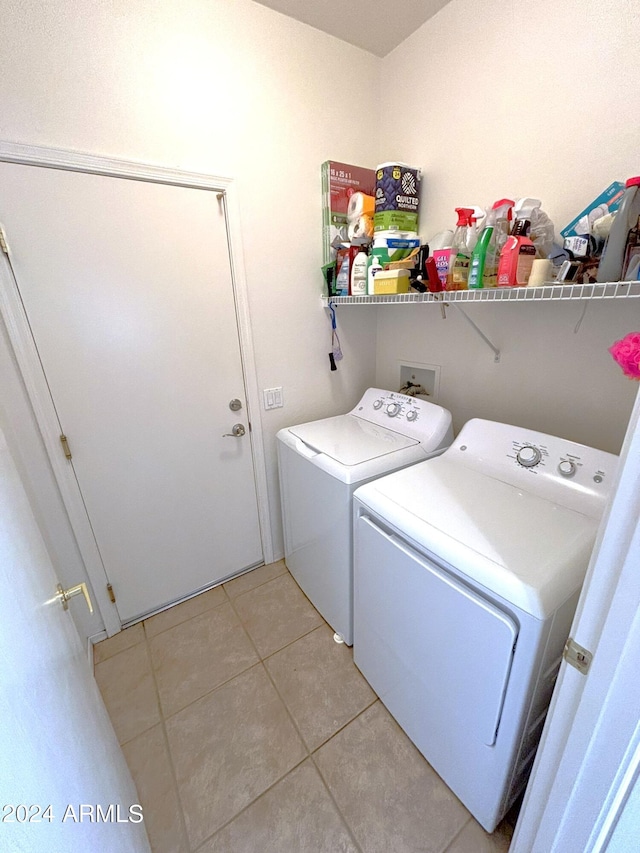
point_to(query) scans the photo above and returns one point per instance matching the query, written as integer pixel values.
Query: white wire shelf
(543, 293)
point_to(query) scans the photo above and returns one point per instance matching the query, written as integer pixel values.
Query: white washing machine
(321, 464)
(468, 569)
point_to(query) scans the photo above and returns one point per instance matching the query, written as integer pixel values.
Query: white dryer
(468, 569)
(320, 465)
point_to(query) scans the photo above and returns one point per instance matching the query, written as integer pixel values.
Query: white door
(58, 750)
(128, 291)
(583, 792)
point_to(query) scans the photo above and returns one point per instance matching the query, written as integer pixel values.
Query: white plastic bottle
(610, 268)
(359, 274)
(373, 267)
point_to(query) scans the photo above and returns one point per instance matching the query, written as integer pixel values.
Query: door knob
(236, 431)
(64, 595)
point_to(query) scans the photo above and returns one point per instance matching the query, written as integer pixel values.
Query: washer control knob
(412, 415)
(393, 409)
(377, 404)
(528, 456)
(567, 468)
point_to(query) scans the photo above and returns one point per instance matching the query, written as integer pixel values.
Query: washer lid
(529, 550)
(350, 440)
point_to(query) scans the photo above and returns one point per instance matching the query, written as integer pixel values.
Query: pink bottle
(517, 256)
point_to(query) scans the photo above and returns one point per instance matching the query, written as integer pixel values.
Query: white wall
(225, 87)
(513, 99)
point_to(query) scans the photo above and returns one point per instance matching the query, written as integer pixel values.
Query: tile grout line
(304, 743)
(188, 618)
(260, 663)
(260, 660)
(253, 802)
(165, 736)
(326, 784)
(221, 586)
(258, 585)
(310, 754)
(458, 833)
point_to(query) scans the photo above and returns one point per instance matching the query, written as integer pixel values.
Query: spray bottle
(483, 269)
(516, 258)
(460, 253)
(478, 261)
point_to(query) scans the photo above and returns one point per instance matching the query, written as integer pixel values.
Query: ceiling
(374, 25)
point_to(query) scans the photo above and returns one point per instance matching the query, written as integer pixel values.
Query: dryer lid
(529, 550)
(350, 440)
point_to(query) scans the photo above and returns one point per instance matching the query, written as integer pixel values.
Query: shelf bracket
(496, 351)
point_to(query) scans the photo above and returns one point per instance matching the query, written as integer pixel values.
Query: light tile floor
(247, 729)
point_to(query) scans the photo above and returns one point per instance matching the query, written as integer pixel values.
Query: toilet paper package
(397, 197)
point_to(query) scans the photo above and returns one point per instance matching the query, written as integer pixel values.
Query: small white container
(359, 274)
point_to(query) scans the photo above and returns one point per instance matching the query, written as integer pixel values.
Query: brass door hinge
(3, 243)
(577, 656)
(65, 446)
(112, 595)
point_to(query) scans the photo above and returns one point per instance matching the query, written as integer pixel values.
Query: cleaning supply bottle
(460, 254)
(477, 221)
(373, 267)
(483, 269)
(479, 255)
(610, 268)
(516, 258)
(631, 261)
(504, 215)
(440, 246)
(359, 275)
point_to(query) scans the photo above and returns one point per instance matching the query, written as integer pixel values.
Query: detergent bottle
(516, 258)
(460, 254)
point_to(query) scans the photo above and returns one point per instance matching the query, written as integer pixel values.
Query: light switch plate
(272, 398)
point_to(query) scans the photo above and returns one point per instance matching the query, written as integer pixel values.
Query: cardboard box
(391, 281)
(339, 182)
(607, 202)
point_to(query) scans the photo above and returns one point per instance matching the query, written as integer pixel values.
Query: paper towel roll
(541, 270)
(361, 229)
(360, 204)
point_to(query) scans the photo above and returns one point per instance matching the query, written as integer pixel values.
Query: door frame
(32, 372)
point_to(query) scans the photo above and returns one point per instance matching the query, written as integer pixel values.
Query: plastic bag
(542, 233)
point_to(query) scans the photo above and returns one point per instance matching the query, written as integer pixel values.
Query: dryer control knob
(377, 404)
(393, 409)
(528, 456)
(567, 468)
(412, 415)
